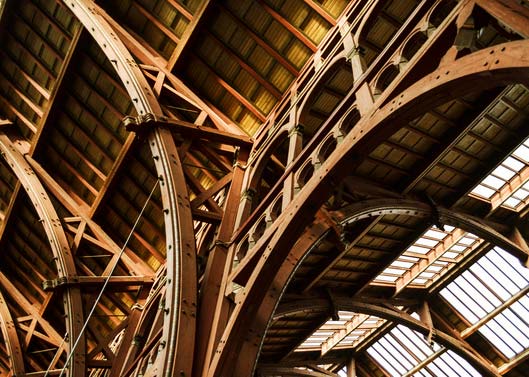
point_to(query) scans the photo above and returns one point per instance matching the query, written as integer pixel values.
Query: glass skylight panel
(400, 352)
(440, 248)
(483, 191)
(331, 334)
(522, 153)
(482, 295)
(451, 364)
(498, 185)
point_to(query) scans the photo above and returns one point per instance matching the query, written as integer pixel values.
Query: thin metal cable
(56, 353)
(69, 359)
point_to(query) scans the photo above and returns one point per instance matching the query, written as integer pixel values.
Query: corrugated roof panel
(257, 19)
(260, 60)
(333, 7)
(316, 28)
(297, 53)
(280, 77)
(264, 101)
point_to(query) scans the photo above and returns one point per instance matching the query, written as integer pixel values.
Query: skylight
(347, 332)
(404, 352)
(429, 257)
(492, 295)
(508, 184)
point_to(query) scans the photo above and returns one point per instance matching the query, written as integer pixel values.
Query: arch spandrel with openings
(433, 90)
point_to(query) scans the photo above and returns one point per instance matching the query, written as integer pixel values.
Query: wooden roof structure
(273, 188)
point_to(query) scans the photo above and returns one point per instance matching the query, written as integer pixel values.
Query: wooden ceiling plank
(29, 124)
(110, 178)
(164, 29)
(182, 9)
(248, 104)
(287, 25)
(256, 75)
(321, 12)
(264, 45)
(21, 70)
(195, 19)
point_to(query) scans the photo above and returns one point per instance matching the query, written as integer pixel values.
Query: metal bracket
(333, 308)
(50, 285)
(436, 219)
(139, 123)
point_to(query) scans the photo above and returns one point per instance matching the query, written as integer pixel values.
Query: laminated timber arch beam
(490, 67)
(406, 207)
(177, 341)
(395, 316)
(60, 248)
(12, 342)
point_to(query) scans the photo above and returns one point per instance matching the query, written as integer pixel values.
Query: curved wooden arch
(499, 65)
(381, 207)
(395, 316)
(64, 261)
(181, 296)
(143, 326)
(12, 342)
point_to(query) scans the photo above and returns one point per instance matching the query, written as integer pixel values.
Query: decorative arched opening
(259, 229)
(413, 45)
(332, 88)
(305, 174)
(276, 208)
(349, 121)
(326, 148)
(386, 78)
(440, 12)
(243, 249)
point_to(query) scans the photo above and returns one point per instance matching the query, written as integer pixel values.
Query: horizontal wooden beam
(186, 129)
(121, 281)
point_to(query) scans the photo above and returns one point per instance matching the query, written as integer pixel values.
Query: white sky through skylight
(508, 184)
(429, 257)
(402, 351)
(492, 296)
